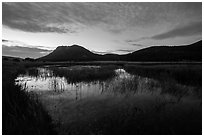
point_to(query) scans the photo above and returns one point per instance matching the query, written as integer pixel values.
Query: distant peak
(76, 46)
(72, 47)
(60, 47)
(69, 46)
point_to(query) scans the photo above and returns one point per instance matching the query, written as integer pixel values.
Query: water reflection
(42, 80)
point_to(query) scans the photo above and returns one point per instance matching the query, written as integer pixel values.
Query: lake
(81, 101)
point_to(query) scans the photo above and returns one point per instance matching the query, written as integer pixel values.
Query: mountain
(192, 52)
(70, 53)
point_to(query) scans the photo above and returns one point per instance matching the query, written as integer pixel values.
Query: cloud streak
(35, 17)
(181, 31)
(23, 52)
(194, 28)
(19, 49)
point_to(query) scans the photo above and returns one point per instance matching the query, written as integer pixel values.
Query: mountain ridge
(192, 52)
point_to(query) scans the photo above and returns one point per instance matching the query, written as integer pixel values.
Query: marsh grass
(183, 74)
(174, 79)
(22, 113)
(85, 74)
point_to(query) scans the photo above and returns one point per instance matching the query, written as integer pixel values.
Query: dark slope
(111, 57)
(191, 52)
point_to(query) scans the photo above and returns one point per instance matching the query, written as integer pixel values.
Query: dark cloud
(100, 52)
(133, 42)
(139, 45)
(113, 51)
(19, 49)
(194, 28)
(120, 51)
(124, 50)
(115, 17)
(50, 17)
(32, 17)
(3, 40)
(23, 52)
(181, 31)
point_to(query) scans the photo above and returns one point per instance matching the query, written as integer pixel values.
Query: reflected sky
(45, 82)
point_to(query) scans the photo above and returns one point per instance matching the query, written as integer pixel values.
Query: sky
(108, 27)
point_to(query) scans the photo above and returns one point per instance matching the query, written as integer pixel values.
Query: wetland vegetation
(103, 99)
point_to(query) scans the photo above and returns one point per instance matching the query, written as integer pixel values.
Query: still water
(44, 82)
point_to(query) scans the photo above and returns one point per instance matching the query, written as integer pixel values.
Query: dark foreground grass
(138, 122)
(153, 122)
(130, 116)
(22, 113)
